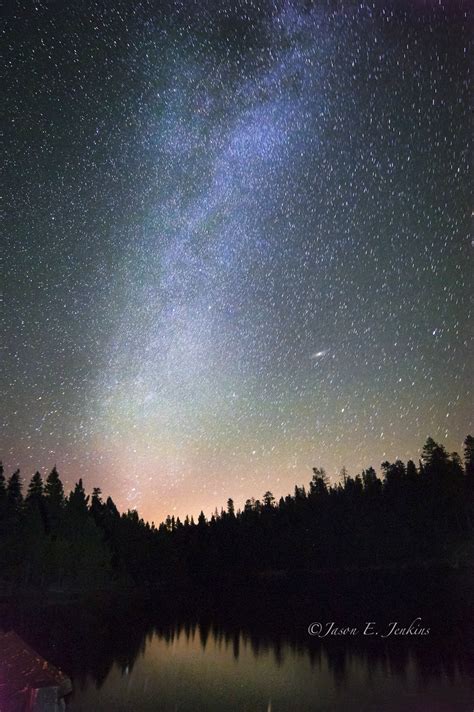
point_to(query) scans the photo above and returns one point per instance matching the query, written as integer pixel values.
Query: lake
(191, 670)
(248, 649)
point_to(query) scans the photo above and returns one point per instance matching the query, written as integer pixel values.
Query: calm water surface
(191, 670)
(251, 651)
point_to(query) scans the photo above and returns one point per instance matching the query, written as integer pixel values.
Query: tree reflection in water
(257, 645)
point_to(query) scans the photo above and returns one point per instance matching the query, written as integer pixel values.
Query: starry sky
(236, 242)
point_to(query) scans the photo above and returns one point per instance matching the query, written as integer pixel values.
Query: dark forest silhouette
(414, 516)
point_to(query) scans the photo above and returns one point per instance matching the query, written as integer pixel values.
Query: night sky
(237, 243)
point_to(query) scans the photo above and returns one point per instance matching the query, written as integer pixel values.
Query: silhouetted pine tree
(14, 494)
(35, 491)
(3, 492)
(54, 500)
(411, 516)
(469, 457)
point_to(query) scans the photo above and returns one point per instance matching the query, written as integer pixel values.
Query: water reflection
(254, 653)
(143, 663)
(204, 667)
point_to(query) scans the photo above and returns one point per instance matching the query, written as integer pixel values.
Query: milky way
(237, 243)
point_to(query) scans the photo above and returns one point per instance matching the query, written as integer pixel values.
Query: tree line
(413, 515)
